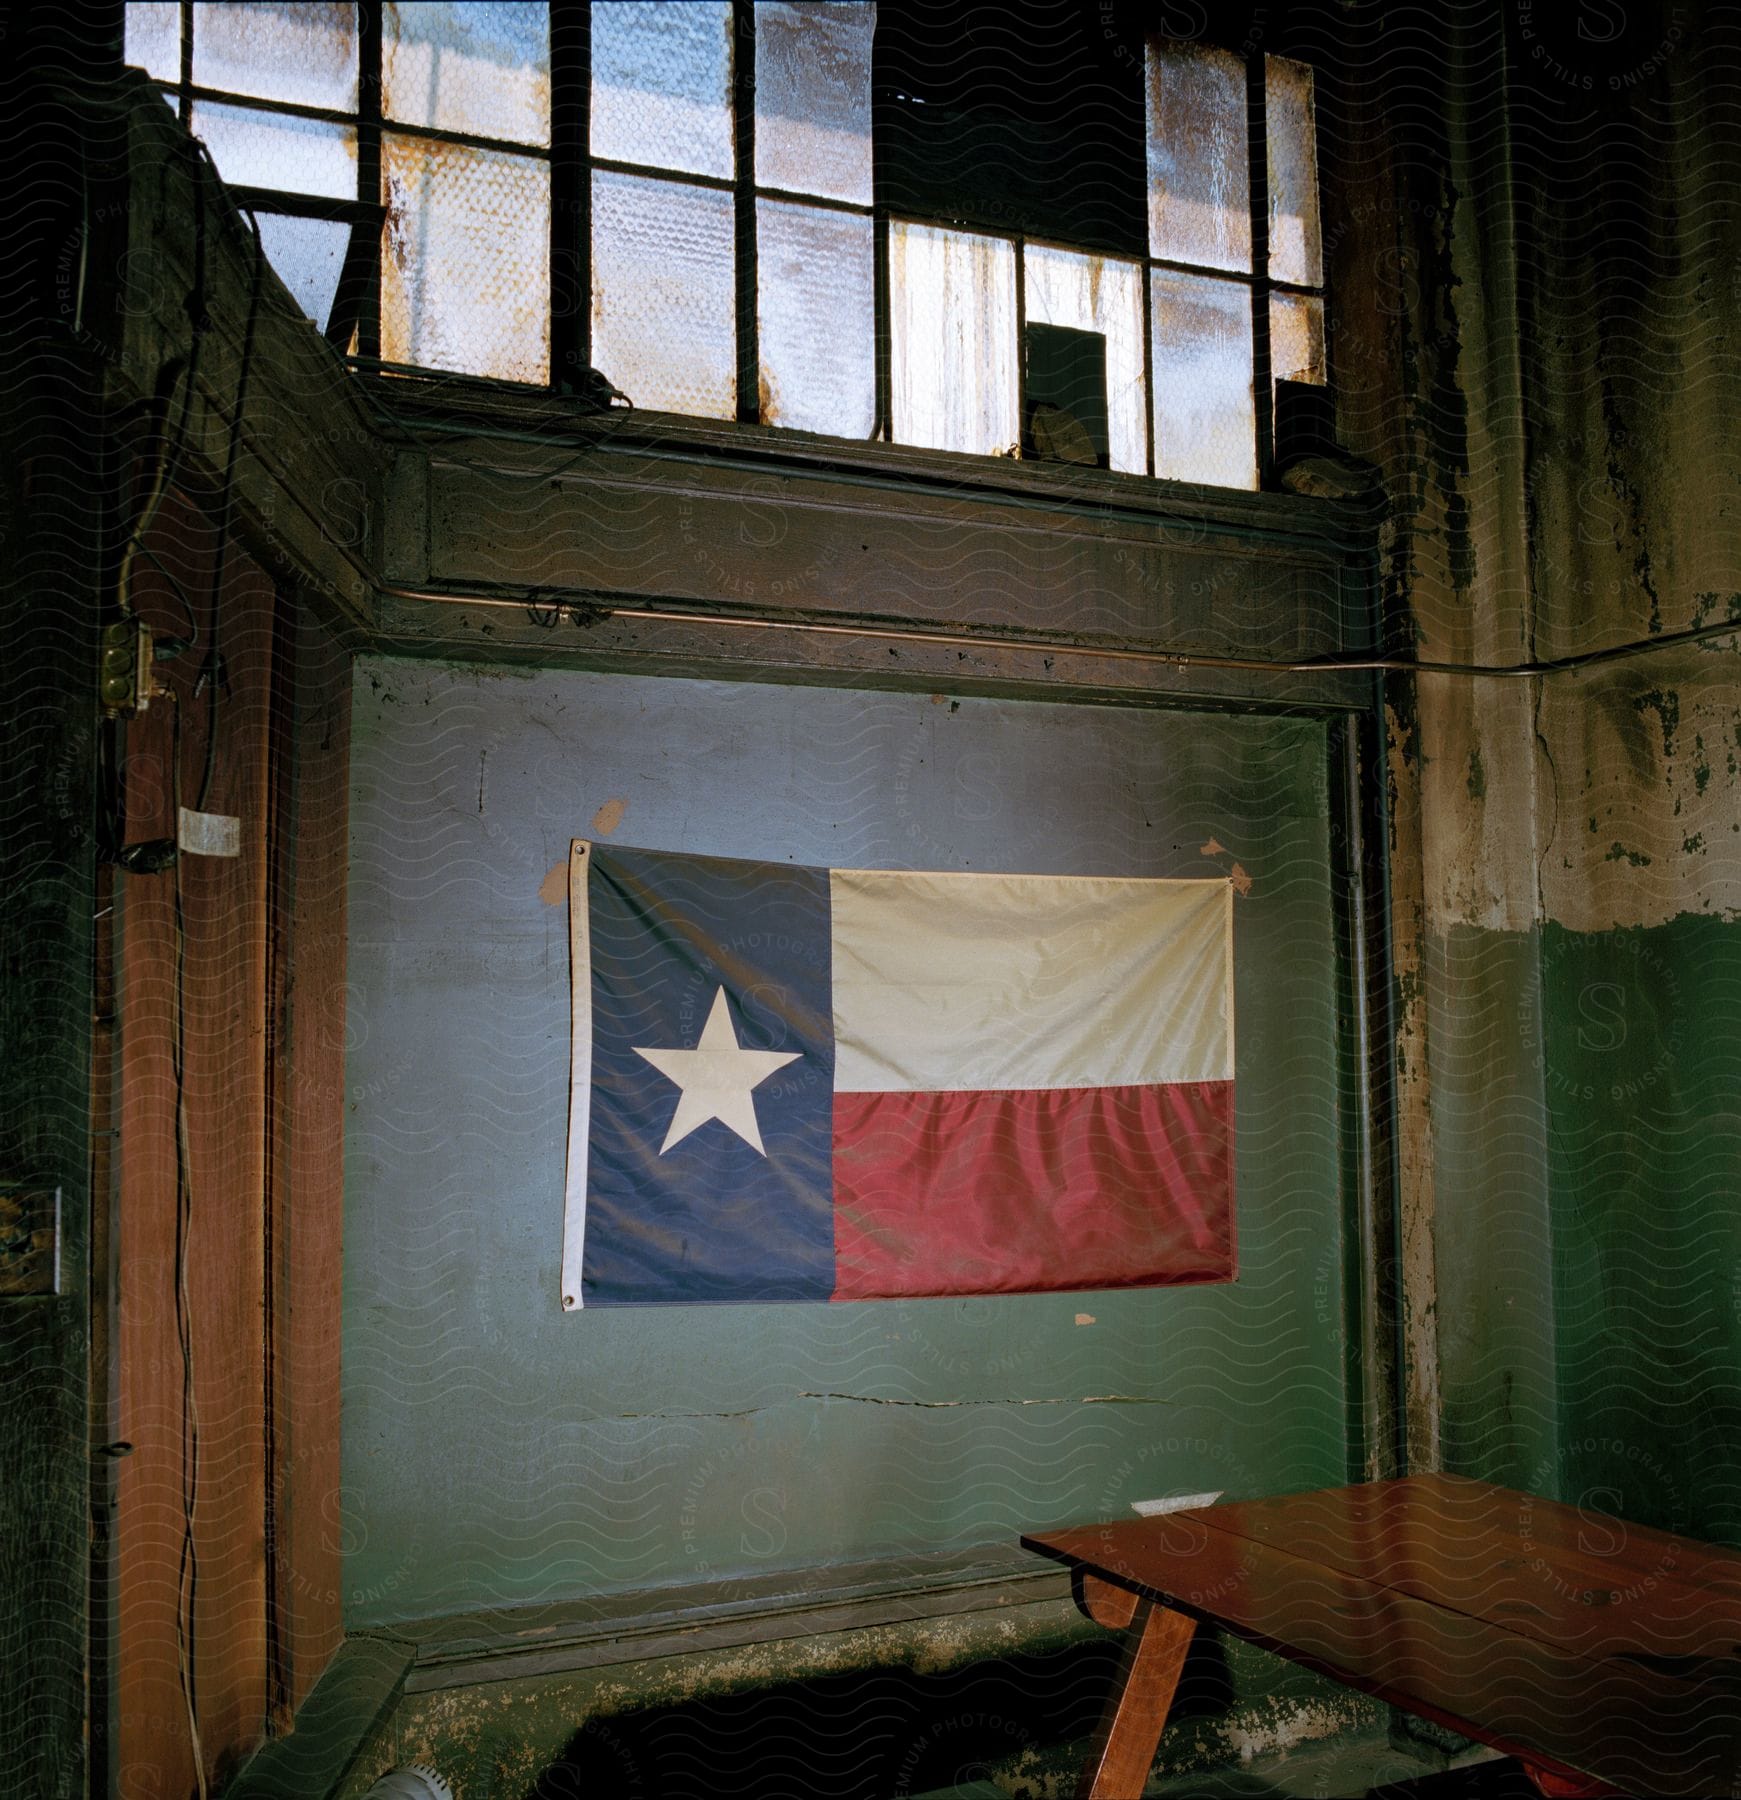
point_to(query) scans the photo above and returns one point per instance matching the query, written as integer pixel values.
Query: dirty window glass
(664, 321)
(279, 150)
(813, 99)
(483, 71)
(1204, 416)
(304, 53)
(1104, 295)
(661, 84)
(952, 306)
(1296, 337)
(1295, 250)
(465, 280)
(154, 39)
(817, 336)
(309, 255)
(1198, 156)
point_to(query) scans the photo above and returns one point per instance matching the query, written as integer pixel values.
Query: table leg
(1153, 1653)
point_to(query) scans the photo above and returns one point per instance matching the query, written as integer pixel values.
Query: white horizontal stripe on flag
(996, 982)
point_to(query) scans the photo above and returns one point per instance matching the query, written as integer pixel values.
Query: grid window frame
(355, 325)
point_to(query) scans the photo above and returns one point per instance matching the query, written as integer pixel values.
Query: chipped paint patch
(609, 816)
(553, 889)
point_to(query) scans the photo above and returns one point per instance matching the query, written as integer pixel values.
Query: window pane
(664, 307)
(1098, 293)
(1205, 427)
(274, 150)
(154, 39)
(482, 70)
(308, 255)
(1296, 337)
(813, 99)
(952, 305)
(661, 84)
(1295, 252)
(305, 53)
(815, 306)
(465, 271)
(1199, 162)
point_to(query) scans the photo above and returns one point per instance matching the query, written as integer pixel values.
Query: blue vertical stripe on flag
(711, 1218)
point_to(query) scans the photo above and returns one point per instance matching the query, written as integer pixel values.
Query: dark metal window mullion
(1257, 136)
(1153, 386)
(184, 94)
(369, 169)
(570, 191)
(743, 83)
(882, 330)
(1021, 249)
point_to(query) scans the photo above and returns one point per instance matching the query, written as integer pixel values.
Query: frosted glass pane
(1199, 158)
(664, 306)
(465, 268)
(813, 99)
(481, 70)
(154, 39)
(661, 84)
(1296, 337)
(309, 255)
(815, 302)
(1205, 426)
(305, 53)
(1099, 293)
(1295, 249)
(952, 305)
(274, 150)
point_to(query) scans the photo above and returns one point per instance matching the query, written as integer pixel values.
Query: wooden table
(1604, 1654)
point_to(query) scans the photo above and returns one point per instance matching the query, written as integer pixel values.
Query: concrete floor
(1352, 1770)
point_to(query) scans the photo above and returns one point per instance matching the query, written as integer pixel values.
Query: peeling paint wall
(1564, 474)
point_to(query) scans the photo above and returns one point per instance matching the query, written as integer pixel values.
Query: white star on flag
(717, 1079)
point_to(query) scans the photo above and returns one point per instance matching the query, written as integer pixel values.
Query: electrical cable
(628, 607)
(212, 670)
(187, 1571)
(175, 444)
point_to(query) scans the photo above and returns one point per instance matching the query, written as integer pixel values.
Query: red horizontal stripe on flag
(1032, 1191)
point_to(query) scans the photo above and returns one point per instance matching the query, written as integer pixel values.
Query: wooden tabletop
(1579, 1641)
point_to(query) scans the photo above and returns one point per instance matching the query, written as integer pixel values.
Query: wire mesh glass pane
(813, 99)
(815, 301)
(1295, 247)
(1199, 159)
(304, 53)
(1205, 423)
(664, 305)
(154, 39)
(308, 255)
(661, 84)
(1101, 294)
(952, 314)
(1296, 337)
(274, 150)
(480, 70)
(465, 268)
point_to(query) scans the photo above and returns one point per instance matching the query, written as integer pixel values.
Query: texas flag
(851, 1084)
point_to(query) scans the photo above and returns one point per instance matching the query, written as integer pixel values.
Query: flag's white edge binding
(580, 1073)
(1150, 1509)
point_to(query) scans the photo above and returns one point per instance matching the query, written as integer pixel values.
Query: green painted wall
(1493, 1249)
(499, 1451)
(1643, 1055)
